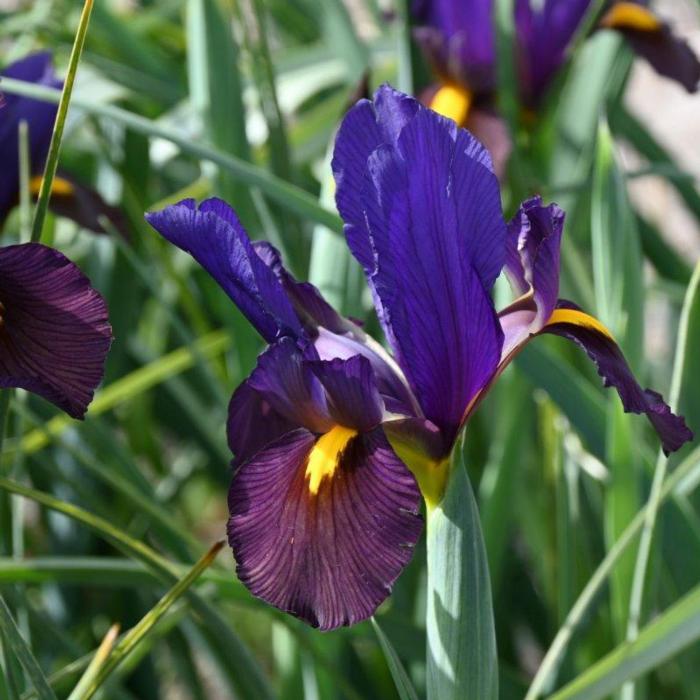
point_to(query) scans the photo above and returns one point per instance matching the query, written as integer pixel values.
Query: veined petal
(214, 237)
(351, 390)
(336, 337)
(329, 557)
(600, 346)
(54, 331)
(543, 36)
(285, 380)
(433, 209)
(654, 40)
(532, 256)
(40, 116)
(466, 49)
(252, 423)
(364, 128)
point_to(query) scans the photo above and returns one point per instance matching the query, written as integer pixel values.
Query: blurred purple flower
(329, 427)
(68, 197)
(459, 40)
(54, 330)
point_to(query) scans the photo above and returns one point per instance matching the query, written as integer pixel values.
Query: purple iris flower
(68, 197)
(334, 439)
(458, 38)
(54, 330)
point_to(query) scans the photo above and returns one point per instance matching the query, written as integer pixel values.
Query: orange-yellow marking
(629, 15)
(324, 457)
(579, 318)
(59, 186)
(452, 101)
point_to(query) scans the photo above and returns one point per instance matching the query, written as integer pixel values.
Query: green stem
(462, 659)
(25, 200)
(55, 146)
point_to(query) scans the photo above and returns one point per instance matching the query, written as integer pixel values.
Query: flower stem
(57, 136)
(461, 656)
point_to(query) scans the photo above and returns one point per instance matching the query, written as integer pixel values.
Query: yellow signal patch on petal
(325, 455)
(579, 318)
(59, 186)
(630, 15)
(452, 101)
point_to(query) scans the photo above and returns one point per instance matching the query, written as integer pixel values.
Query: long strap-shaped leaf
(403, 684)
(10, 635)
(462, 658)
(677, 628)
(289, 196)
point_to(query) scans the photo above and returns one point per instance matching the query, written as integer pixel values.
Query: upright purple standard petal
(39, 116)
(459, 37)
(613, 368)
(214, 237)
(532, 256)
(543, 36)
(54, 332)
(365, 127)
(329, 557)
(433, 212)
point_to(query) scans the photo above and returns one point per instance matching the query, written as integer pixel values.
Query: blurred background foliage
(236, 98)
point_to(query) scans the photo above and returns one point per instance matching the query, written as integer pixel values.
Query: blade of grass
(289, 196)
(131, 385)
(55, 146)
(245, 674)
(675, 629)
(97, 662)
(13, 639)
(25, 200)
(129, 642)
(544, 676)
(686, 345)
(403, 684)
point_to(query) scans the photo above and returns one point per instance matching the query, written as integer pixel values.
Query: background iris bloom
(323, 513)
(54, 329)
(459, 40)
(68, 197)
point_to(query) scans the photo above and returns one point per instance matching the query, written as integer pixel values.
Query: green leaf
(685, 388)
(11, 637)
(689, 472)
(674, 630)
(246, 676)
(135, 635)
(285, 194)
(55, 145)
(403, 684)
(132, 385)
(216, 91)
(461, 656)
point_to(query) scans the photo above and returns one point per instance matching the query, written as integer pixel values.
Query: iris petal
(285, 380)
(459, 38)
(543, 37)
(40, 116)
(331, 557)
(215, 237)
(351, 388)
(615, 371)
(433, 209)
(532, 256)
(54, 331)
(252, 423)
